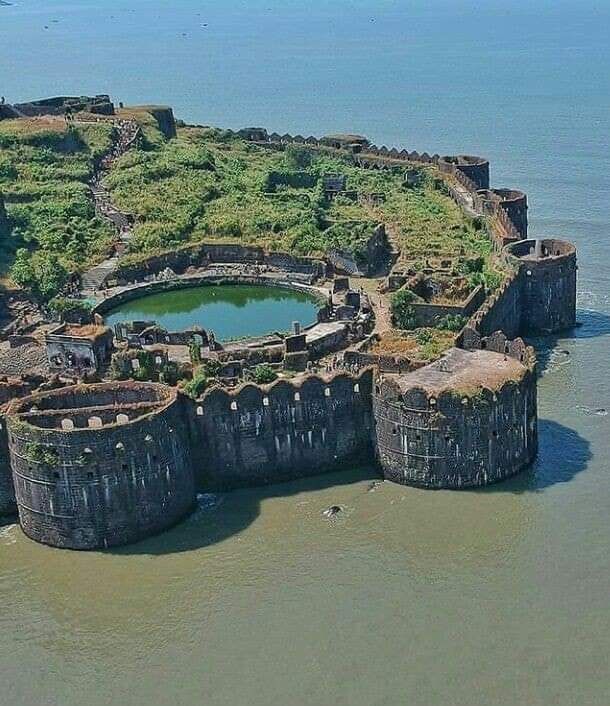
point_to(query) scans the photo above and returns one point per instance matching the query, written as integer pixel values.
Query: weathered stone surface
(100, 465)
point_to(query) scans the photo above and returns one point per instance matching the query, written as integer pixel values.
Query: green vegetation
(452, 322)
(263, 374)
(198, 385)
(403, 313)
(39, 453)
(208, 185)
(72, 310)
(44, 169)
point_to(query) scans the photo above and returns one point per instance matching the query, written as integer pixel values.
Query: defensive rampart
(547, 271)
(258, 435)
(100, 465)
(468, 419)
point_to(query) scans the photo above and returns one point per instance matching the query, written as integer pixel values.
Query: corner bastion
(548, 274)
(474, 168)
(466, 420)
(100, 465)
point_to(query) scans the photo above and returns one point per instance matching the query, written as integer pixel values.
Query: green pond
(230, 311)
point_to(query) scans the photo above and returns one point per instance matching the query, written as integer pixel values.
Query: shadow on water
(562, 454)
(591, 324)
(223, 515)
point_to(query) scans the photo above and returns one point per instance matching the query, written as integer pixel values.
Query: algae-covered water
(230, 311)
(490, 598)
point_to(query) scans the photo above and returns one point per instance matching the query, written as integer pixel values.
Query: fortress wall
(202, 254)
(7, 491)
(501, 311)
(259, 435)
(91, 488)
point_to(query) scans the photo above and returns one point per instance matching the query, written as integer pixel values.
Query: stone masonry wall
(93, 488)
(457, 439)
(7, 492)
(260, 435)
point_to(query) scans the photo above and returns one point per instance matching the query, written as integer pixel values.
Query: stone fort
(92, 466)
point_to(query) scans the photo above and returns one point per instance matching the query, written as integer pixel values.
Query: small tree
(403, 312)
(264, 374)
(197, 386)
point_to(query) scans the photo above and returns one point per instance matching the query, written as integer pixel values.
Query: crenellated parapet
(547, 270)
(100, 465)
(261, 434)
(509, 206)
(467, 420)
(475, 169)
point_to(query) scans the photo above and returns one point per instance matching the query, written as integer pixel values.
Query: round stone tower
(101, 465)
(467, 420)
(511, 201)
(475, 168)
(548, 272)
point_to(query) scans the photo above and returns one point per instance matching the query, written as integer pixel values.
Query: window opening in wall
(357, 387)
(297, 396)
(56, 474)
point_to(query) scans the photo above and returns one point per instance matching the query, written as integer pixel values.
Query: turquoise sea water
(484, 598)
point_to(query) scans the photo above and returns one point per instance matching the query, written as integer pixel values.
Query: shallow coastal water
(231, 311)
(497, 597)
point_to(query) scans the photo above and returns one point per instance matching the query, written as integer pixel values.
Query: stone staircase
(94, 279)
(127, 135)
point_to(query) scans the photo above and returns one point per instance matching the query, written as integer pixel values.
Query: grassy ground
(44, 169)
(205, 184)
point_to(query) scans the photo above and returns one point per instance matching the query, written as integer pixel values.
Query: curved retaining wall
(260, 435)
(126, 478)
(136, 291)
(548, 281)
(457, 438)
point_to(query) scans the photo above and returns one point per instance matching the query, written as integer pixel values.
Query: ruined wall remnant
(547, 270)
(467, 420)
(100, 465)
(263, 435)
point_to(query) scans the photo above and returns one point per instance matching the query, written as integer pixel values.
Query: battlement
(99, 465)
(465, 420)
(476, 169)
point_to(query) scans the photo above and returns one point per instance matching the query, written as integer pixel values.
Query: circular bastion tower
(548, 273)
(511, 201)
(467, 420)
(475, 168)
(96, 466)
